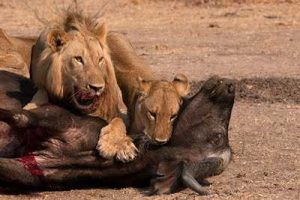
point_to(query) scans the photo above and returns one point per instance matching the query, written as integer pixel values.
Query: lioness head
(73, 65)
(158, 105)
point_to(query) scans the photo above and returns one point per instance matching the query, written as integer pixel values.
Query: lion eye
(152, 115)
(79, 59)
(173, 117)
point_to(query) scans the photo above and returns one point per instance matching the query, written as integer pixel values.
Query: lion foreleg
(113, 142)
(40, 98)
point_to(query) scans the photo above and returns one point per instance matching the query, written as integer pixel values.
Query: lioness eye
(173, 117)
(152, 115)
(79, 59)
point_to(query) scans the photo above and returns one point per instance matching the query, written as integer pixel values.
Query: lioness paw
(114, 143)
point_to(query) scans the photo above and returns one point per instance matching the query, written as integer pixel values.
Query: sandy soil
(256, 44)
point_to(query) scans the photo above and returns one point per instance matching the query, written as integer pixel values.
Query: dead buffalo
(51, 147)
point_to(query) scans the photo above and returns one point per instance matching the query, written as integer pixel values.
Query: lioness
(71, 66)
(15, 53)
(153, 104)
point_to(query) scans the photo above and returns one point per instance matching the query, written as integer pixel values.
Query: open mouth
(85, 100)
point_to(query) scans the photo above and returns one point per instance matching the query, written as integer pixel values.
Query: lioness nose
(97, 88)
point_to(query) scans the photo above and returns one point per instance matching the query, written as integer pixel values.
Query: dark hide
(51, 147)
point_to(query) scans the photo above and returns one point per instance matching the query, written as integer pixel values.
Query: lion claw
(128, 153)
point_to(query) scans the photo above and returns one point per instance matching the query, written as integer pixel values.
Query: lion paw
(113, 142)
(121, 148)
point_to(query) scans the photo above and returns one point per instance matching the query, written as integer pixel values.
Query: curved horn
(190, 182)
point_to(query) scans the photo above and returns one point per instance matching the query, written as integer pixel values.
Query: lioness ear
(181, 84)
(144, 86)
(57, 39)
(101, 32)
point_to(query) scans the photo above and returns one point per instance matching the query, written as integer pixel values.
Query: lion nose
(97, 88)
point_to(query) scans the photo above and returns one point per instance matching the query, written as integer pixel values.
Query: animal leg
(19, 119)
(27, 119)
(113, 142)
(87, 159)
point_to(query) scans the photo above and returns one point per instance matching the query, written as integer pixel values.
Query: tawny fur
(15, 53)
(47, 67)
(51, 71)
(143, 93)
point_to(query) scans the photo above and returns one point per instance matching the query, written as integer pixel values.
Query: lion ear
(181, 84)
(144, 86)
(101, 32)
(57, 39)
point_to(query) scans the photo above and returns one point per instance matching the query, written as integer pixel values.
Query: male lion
(71, 66)
(153, 104)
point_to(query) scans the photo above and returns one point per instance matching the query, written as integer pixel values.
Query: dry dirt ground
(256, 44)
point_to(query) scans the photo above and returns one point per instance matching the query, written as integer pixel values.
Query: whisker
(73, 95)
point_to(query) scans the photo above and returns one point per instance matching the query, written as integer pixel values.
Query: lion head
(157, 107)
(71, 62)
